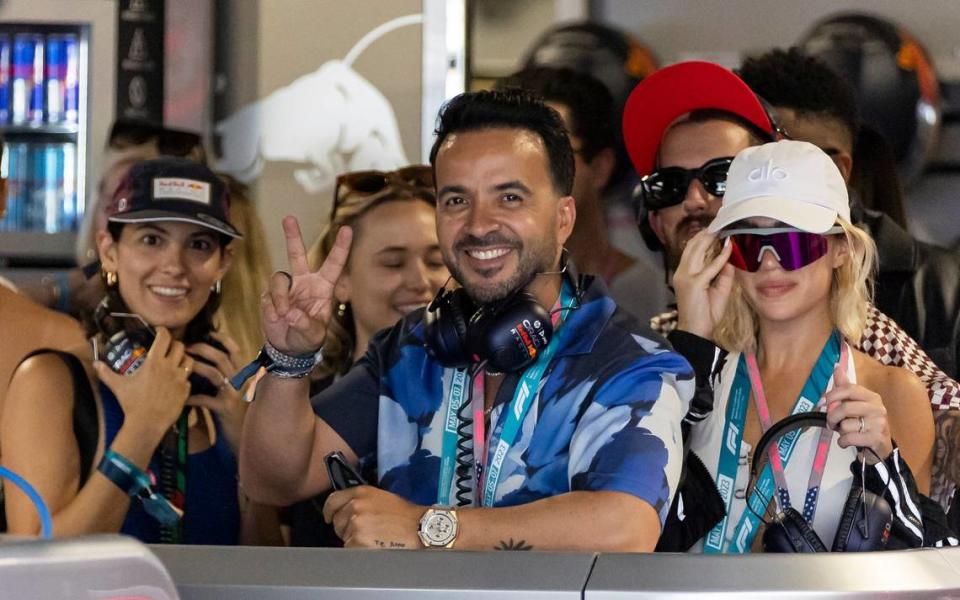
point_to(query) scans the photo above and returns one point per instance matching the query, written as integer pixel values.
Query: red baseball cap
(674, 91)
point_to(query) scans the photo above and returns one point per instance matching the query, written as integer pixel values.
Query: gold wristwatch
(439, 527)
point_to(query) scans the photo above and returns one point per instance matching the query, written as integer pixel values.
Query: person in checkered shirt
(726, 117)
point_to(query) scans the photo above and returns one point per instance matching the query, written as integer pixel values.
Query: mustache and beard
(686, 229)
(533, 258)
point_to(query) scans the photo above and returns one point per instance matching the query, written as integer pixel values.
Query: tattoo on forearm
(513, 545)
(389, 544)
(946, 470)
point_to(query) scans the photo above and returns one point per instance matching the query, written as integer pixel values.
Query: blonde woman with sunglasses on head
(781, 281)
(394, 268)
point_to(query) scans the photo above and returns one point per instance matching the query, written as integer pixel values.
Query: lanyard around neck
(823, 444)
(767, 482)
(511, 418)
(173, 476)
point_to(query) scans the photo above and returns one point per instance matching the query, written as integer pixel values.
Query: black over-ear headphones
(864, 523)
(508, 335)
(126, 348)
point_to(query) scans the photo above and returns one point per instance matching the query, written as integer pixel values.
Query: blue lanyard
(765, 486)
(526, 391)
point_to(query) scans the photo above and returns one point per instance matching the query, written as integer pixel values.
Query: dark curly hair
(793, 79)
(510, 109)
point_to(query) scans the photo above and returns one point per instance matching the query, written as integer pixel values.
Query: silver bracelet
(287, 366)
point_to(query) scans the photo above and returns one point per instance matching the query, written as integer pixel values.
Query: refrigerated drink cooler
(43, 120)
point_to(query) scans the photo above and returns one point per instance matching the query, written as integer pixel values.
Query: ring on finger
(862, 427)
(289, 279)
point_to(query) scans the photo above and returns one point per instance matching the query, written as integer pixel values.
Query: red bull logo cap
(174, 189)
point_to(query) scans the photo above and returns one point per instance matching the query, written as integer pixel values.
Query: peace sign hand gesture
(297, 306)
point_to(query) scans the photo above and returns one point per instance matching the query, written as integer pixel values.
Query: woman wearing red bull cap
(785, 294)
(121, 448)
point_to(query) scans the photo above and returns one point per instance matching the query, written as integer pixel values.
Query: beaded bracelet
(284, 366)
(287, 366)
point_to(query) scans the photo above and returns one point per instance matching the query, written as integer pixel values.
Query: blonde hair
(341, 331)
(851, 291)
(241, 287)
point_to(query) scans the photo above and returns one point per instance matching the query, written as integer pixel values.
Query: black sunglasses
(667, 187)
(170, 142)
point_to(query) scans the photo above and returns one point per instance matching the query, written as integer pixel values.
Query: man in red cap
(681, 126)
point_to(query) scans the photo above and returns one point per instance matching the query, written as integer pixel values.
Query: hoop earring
(216, 289)
(341, 310)
(111, 277)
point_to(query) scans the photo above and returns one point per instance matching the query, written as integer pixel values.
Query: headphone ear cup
(512, 335)
(854, 534)
(125, 351)
(646, 230)
(445, 328)
(841, 540)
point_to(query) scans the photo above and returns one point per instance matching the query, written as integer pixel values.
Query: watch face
(439, 529)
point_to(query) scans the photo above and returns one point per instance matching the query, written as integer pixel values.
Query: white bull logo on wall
(333, 120)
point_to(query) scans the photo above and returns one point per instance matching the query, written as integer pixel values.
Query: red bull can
(35, 217)
(71, 212)
(26, 97)
(52, 189)
(4, 79)
(18, 185)
(59, 188)
(62, 78)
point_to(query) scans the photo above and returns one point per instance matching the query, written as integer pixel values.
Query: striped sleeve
(707, 361)
(917, 521)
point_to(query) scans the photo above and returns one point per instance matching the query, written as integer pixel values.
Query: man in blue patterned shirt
(580, 450)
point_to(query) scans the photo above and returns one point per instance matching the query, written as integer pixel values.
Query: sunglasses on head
(667, 187)
(793, 249)
(126, 133)
(416, 179)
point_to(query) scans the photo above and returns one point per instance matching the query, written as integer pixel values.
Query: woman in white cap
(119, 449)
(780, 280)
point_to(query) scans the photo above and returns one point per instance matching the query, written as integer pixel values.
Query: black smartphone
(342, 475)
